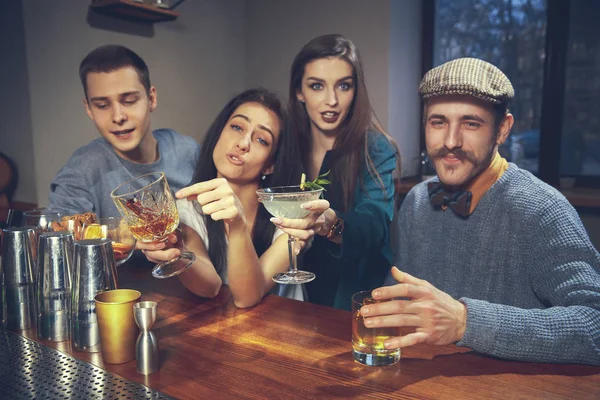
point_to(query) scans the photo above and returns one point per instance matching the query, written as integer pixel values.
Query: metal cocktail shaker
(17, 277)
(146, 346)
(55, 252)
(94, 272)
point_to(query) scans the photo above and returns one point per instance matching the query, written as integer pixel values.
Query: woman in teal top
(338, 132)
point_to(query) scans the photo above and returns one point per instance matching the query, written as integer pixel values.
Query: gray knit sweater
(522, 264)
(94, 170)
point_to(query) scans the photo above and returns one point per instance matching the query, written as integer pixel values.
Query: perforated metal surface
(29, 370)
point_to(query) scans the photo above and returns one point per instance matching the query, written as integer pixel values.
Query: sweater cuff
(481, 326)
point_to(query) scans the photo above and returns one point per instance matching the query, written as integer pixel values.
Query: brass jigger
(146, 346)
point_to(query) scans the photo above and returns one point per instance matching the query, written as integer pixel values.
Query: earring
(301, 100)
(264, 177)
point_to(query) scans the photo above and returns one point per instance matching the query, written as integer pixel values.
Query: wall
(277, 30)
(404, 77)
(387, 34)
(16, 136)
(214, 50)
(196, 63)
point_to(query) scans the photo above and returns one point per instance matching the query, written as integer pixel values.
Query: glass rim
(161, 175)
(133, 292)
(145, 305)
(359, 297)
(263, 190)
(39, 212)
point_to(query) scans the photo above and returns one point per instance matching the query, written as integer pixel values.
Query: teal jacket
(364, 257)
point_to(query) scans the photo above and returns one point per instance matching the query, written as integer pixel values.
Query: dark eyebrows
(472, 117)
(121, 95)
(314, 78)
(262, 127)
(437, 116)
(467, 117)
(98, 98)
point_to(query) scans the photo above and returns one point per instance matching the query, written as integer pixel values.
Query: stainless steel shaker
(17, 278)
(94, 272)
(55, 250)
(146, 346)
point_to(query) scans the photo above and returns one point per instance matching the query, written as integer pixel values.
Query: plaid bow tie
(459, 202)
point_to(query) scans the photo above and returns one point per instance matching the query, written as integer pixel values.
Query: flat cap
(469, 77)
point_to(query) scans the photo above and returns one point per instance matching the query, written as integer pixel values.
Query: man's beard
(478, 165)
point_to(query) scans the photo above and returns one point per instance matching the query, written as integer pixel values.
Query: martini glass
(285, 202)
(146, 203)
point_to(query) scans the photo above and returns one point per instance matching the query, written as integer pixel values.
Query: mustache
(457, 152)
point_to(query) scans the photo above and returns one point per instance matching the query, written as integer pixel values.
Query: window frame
(553, 89)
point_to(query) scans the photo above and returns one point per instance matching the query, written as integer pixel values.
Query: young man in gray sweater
(119, 100)
(489, 257)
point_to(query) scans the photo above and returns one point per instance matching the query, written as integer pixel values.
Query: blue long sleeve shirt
(364, 257)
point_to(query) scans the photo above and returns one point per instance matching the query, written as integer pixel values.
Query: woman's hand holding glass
(146, 203)
(158, 252)
(318, 221)
(217, 200)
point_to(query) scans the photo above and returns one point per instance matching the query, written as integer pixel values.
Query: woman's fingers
(301, 223)
(220, 192)
(200, 187)
(161, 255)
(149, 246)
(316, 205)
(299, 233)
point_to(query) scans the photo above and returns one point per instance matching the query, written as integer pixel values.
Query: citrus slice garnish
(94, 231)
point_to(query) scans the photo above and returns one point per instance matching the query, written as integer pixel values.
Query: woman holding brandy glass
(223, 223)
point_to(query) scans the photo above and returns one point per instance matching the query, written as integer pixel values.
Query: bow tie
(459, 201)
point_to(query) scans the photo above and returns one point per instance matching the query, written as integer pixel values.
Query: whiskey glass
(147, 205)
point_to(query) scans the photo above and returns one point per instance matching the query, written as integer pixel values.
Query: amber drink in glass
(368, 343)
(147, 204)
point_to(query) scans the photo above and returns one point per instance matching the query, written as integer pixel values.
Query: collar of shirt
(482, 183)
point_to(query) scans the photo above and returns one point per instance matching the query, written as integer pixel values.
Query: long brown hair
(351, 146)
(285, 172)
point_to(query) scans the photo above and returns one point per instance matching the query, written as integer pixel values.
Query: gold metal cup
(118, 330)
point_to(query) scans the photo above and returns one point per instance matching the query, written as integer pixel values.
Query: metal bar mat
(29, 370)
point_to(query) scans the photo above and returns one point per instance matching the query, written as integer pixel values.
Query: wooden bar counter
(284, 349)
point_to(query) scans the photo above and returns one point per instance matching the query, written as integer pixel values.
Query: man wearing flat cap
(489, 257)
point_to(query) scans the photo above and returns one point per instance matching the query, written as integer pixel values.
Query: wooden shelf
(133, 10)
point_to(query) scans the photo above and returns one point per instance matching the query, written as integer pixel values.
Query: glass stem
(292, 250)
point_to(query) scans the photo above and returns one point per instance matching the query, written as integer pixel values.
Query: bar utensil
(17, 277)
(55, 252)
(94, 272)
(118, 331)
(14, 218)
(146, 346)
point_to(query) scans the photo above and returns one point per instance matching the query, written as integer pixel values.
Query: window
(580, 149)
(551, 53)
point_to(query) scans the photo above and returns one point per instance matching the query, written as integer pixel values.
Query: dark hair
(285, 171)
(351, 146)
(109, 58)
